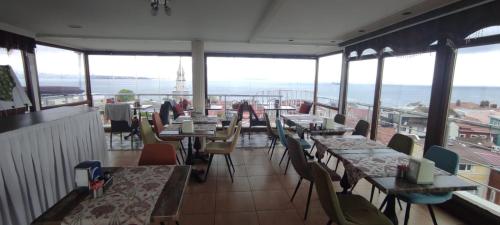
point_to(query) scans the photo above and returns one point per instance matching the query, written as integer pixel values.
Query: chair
(300, 164)
(224, 135)
(149, 137)
(254, 118)
(305, 108)
(223, 148)
(121, 121)
(272, 133)
(157, 154)
(339, 118)
(361, 128)
(282, 136)
(344, 209)
(158, 128)
(444, 159)
(400, 143)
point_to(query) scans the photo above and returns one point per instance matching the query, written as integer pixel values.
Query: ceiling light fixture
(165, 4)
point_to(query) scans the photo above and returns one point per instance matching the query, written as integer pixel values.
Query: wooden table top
(167, 207)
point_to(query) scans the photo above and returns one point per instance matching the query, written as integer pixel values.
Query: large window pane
(474, 118)
(14, 58)
(330, 70)
(405, 96)
(61, 75)
(260, 81)
(360, 90)
(151, 79)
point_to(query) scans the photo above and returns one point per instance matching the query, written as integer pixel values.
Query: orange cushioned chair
(158, 128)
(158, 154)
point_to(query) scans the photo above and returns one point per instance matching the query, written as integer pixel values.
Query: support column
(32, 80)
(315, 97)
(88, 87)
(376, 99)
(344, 79)
(198, 59)
(444, 68)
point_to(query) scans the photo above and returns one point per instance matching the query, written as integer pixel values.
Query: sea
(392, 95)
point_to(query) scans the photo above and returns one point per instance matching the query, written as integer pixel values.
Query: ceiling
(239, 26)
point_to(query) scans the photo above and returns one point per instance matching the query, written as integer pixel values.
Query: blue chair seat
(304, 144)
(421, 198)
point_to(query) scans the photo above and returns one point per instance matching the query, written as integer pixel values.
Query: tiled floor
(260, 193)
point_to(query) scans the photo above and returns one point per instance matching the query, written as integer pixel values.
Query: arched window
(485, 32)
(369, 51)
(353, 54)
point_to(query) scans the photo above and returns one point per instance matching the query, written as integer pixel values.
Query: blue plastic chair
(444, 159)
(281, 133)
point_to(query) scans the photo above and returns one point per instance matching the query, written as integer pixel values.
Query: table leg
(344, 183)
(390, 209)
(195, 173)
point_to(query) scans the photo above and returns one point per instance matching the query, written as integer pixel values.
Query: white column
(198, 59)
(33, 73)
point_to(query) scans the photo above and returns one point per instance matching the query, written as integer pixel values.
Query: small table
(279, 108)
(204, 126)
(138, 109)
(304, 120)
(167, 207)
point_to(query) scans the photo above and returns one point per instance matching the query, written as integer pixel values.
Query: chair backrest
(120, 126)
(401, 143)
(157, 154)
(305, 107)
(327, 195)
(147, 134)
(281, 132)
(236, 134)
(361, 128)
(118, 112)
(269, 129)
(157, 123)
(298, 158)
(165, 109)
(339, 118)
(443, 158)
(232, 126)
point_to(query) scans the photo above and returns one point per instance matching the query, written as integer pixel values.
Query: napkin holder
(328, 123)
(187, 126)
(420, 171)
(86, 172)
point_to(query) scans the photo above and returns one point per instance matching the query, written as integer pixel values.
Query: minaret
(180, 80)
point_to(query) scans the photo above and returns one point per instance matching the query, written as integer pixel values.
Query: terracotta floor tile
(271, 200)
(198, 203)
(224, 184)
(281, 217)
(240, 171)
(240, 218)
(234, 202)
(264, 183)
(260, 170)
(196, 219)
(208, 186)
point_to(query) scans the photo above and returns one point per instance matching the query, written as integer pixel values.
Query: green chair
(282, 136)
(344, 209)
(444, 159)
(339, 118)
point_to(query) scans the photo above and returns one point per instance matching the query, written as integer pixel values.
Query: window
(14, 58)
(360, 90)
(330, 70)
(405, 97)
(150, 79)
(474, 113)
(61, 76)
(260, 81)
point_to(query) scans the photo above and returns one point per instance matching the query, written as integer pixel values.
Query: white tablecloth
(36, 163)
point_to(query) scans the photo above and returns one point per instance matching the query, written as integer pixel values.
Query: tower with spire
(180, 81)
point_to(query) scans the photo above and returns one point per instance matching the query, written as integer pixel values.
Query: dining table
(279, 108)
(138, 195)
(364, 158)
(203, 127)
(313, 124)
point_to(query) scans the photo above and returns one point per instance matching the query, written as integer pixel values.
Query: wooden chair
(344, 209)
(223, 148)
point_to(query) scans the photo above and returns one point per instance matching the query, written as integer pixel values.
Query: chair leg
(182, 147)
(308, 199)
(330, 157)
(209, 164)
(229, 168)
(312, 148)
(399, 203)
(272, 150)
(182, 155)
(383, 203)
(110, 140)
(131, 142)
(296, 189)
(231, 161)
(371, 195)
(337, 166)
(283, 157)
(431, 211)
(287, 165)
(271, 146)
(178, 160)
(407, 213)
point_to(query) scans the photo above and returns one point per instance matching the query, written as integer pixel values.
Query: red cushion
(304, 108)
(158, 154)
(179, 109)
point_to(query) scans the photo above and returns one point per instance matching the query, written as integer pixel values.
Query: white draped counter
(37, 154)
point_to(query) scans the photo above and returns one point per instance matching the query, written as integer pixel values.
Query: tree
(125, 95)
